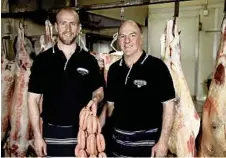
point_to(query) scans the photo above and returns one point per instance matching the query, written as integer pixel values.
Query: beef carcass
(187, 122)
(213, 134)
(7, 88)
(17, 142)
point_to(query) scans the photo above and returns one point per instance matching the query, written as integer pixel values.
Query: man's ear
(56, 28)
(79, 28)
(142, 39)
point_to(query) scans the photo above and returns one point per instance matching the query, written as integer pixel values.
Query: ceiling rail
(126, 3)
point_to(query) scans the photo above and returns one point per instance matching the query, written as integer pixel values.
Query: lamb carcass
(17, 142)
(187, 122)
(213, 135)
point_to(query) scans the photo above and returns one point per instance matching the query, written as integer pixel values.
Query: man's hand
(160, 149)
(93, 105)
(40, 147)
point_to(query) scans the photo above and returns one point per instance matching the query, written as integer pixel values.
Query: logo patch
(83, 71)
(140, 83)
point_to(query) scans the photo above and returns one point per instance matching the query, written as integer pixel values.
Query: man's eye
(63, 23)
(73, 23)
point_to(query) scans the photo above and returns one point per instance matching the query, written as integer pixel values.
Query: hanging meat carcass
(108, 60)
(187, 122)
(17, 142)
(213, 133)
(7, 88)
(47, 40)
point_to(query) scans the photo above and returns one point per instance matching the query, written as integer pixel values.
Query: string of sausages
(91, 142)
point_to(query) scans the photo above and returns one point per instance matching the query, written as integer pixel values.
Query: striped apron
(134, 143)
(60, 140)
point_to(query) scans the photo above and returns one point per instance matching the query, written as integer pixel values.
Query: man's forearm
(103, 116)
(168, 119)
(98, 95)
(34, 115)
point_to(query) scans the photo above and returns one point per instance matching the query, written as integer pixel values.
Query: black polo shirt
(138, 92)
(66, 86)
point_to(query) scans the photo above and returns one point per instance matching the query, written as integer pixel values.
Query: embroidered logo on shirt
(83, 71)
(140, 83)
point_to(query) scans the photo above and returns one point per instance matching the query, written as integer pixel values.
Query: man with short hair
(140, 97)
(68, 78)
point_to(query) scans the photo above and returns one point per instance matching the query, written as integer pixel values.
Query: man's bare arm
(34, 113)
(106, 112)
(98, 94)
(97, 97)
(168, 119)
(161, 147)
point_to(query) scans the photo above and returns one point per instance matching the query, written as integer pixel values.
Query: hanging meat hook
(224, 13)
(176, 13)
(21, 23)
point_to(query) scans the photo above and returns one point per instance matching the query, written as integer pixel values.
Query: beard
(67, 40)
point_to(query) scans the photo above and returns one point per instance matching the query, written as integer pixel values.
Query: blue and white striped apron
(60, 140)
(134, 143)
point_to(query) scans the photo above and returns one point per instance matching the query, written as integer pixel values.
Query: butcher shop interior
(189, 36)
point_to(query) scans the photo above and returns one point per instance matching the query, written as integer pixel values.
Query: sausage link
(92, 145)
(77, 149)
(82, 153)
(102, 154)
(95, 125)
(100, 143)
(90, 124)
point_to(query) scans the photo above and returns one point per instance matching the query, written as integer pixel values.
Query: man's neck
(68, 50)
(131, 59)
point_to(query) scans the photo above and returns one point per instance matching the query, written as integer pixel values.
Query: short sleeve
(167, 91)
(110, 91)
(35, 84)
(96, 77)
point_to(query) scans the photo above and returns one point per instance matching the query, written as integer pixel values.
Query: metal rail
(127, 3)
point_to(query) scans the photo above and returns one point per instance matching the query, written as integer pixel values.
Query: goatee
(67, 42)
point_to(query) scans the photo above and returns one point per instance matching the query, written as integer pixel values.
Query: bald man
(68, 78)
(140, 97)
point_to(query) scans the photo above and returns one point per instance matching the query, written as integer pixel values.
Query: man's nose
(68, 27)
(127, 39)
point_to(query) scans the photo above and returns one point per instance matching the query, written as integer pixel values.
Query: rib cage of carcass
(7, 89)
(186, 123)
(213, 134)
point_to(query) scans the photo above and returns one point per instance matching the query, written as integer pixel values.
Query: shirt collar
(57, 50)
(140, 61)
